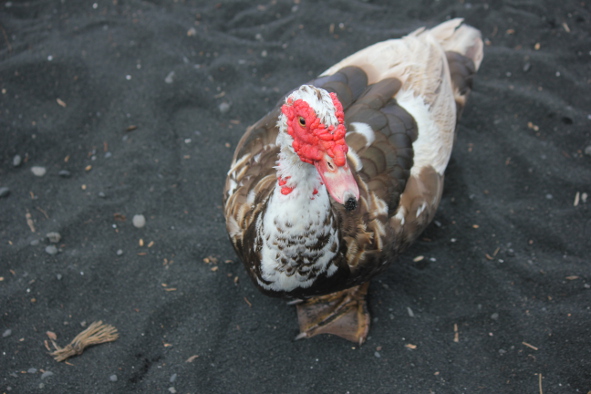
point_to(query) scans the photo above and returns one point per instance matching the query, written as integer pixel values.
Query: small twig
(456, 333)
(248, 302)
(30, 222)
(43, 212)
(6, 39)
(566, 28)
(540, 383)
(529, 346)
(96, 333)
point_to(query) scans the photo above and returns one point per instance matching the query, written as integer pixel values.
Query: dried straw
(95, 334)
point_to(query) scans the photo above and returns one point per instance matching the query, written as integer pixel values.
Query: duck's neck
(297, 180)
(297, 233)
(300, 204)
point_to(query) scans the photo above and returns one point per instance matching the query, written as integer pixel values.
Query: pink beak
(339, 182)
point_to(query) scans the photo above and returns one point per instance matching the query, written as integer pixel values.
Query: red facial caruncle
(285, 190)
(312, 139)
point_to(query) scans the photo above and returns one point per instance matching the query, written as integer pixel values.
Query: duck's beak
(339, 182)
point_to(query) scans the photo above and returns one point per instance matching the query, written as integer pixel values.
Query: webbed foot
(343, 313)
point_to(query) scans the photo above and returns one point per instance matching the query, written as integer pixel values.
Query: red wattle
(285, 190)
(314, 139)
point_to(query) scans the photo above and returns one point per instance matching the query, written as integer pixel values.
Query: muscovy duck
(328, 188)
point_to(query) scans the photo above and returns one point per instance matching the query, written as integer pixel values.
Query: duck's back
(402, 101)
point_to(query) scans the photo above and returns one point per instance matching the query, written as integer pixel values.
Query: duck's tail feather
(464, 51)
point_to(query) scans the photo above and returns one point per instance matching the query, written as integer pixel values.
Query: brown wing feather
(461, 70)
(348, 83)
(386, 163)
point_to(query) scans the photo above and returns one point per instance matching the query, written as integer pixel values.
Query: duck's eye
(302, 121)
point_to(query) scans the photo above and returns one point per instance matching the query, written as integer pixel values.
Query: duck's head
(314, 121)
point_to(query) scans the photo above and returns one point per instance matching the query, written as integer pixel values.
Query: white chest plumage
(298, 238)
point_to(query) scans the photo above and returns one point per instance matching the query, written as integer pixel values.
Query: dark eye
(302, 121)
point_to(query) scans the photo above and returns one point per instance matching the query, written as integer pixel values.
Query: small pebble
(108, 155)
(51, 250)
(173, 378)
(495, 316)
(59, 276)
(224, 107)
(7, 333)
(172, 390)
(4, 192)
(113, 378)
(526, 67)
(170, 77)
(17, 160)
(65, 173)
(502, 351)
(102, 195)
(35, 242)
(38, 171)
(588, 150)
(549, 196)
(46, 374)
(139, 221)
(377, 354)
(53, 237)
(119, 252)
(32, 370)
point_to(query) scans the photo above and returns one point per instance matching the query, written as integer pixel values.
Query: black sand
(507, 262)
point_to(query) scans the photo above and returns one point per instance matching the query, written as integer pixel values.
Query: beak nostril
(330, 165)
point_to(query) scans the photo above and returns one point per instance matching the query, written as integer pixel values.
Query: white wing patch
(354, 159)
(400, 215)
(232, 187)
(433, 145)
(365, 130)
(421, 208)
